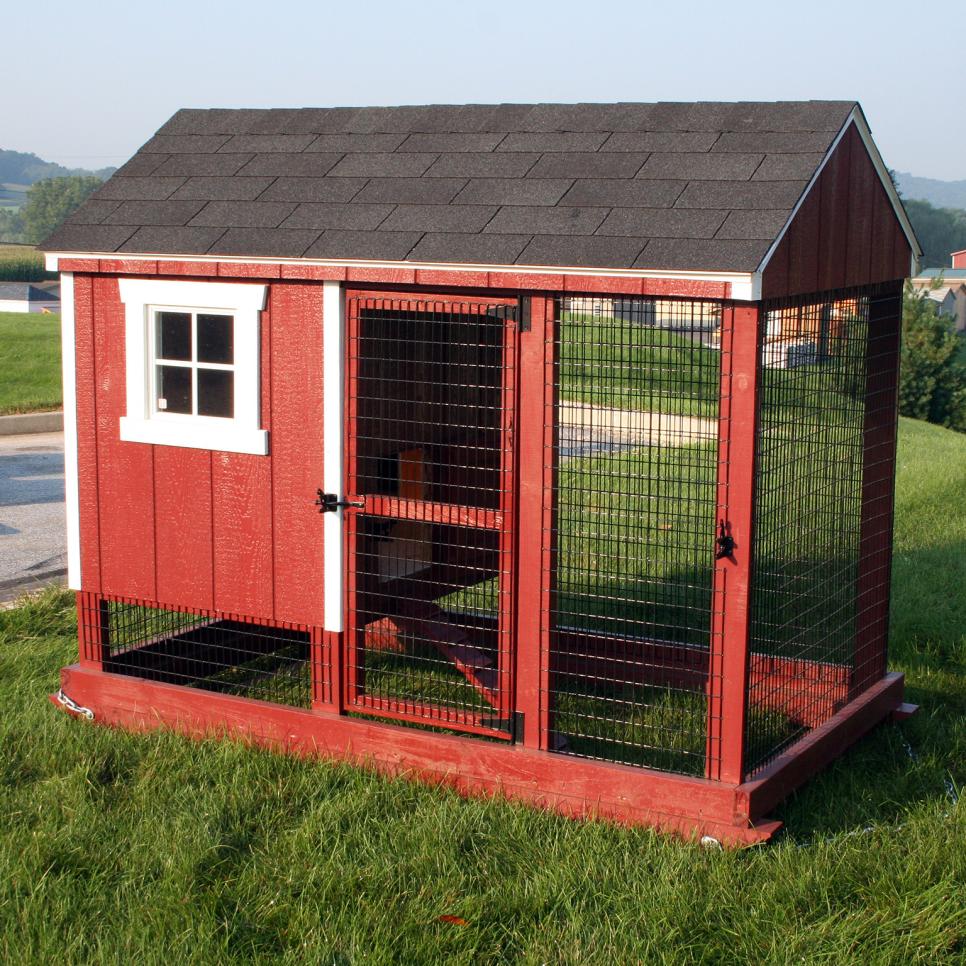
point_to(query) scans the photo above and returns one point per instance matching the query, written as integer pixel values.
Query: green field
(21, 263)
(117, 847)
(30, 362)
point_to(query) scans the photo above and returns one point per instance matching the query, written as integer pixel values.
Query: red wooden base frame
(733, 814)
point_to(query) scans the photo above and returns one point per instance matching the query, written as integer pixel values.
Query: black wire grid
(430, 395)
(635, 446)
(207, 651)
(808, 518)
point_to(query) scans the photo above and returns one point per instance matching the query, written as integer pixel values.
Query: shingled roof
(697, 187)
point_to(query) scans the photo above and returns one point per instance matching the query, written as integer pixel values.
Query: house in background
(29, 296)
(947, 287)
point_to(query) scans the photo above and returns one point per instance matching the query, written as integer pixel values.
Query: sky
(87, 84)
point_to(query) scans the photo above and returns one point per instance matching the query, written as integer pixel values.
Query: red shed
(543, 450)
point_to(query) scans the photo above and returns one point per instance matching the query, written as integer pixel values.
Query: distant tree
(940, 231)
(932, 384)
(50, 201)
(11, 226)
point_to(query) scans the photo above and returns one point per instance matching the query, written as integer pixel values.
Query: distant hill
(18, 168)
(942, 194)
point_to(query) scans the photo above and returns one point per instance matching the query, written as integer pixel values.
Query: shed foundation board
(691, 808)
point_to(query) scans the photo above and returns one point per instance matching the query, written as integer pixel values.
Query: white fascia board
(858, 119)
(740, 281)
(333, 457)
(71, 480)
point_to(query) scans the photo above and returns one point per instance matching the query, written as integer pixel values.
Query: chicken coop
(545, 451)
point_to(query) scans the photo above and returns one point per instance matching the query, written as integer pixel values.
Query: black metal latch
(330, 502)
(726, 544)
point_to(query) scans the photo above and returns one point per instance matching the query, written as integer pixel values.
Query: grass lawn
(117, 847)
(30, 362)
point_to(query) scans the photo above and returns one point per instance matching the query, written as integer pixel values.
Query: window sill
(227, 439)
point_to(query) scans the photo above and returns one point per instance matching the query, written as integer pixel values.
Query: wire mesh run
(808, 519)
(633, 443)
(430, 456)
(229, 656)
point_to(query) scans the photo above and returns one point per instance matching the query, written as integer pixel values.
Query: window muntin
(194, 372)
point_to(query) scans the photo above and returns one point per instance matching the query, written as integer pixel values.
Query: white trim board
(333, 436)
(68, 343)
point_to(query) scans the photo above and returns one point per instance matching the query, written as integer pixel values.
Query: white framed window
(192, 362)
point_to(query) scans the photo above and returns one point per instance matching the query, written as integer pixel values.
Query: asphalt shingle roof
(705, 186)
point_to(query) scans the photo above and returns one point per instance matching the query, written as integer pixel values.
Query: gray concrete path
(33, 550)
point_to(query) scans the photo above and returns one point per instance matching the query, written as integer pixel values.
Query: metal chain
(72, 705)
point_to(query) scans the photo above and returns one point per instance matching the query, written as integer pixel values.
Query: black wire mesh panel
(230, 656)
(430, 454)
(808, 516)
(635, 449)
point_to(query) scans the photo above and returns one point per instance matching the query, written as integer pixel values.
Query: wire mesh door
(429, 466)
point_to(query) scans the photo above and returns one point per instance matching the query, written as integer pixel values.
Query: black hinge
(725, 542)
(330, 502)
(525, 313)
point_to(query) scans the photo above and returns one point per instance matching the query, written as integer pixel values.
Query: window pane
(174, 335)
(216, 393)
(174, 389)
(215, 338)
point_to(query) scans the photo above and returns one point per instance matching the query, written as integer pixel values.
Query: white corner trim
(858, 119)
(333, 436)
(141, 423)
(71, 480)
(50, 264)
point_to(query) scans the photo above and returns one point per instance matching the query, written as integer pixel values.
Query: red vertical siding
(296, 407)
(125, 471)
(182, 487)
(228, 531)
(241, 488)
(844, 234)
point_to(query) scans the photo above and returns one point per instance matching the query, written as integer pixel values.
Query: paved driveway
(32, 537)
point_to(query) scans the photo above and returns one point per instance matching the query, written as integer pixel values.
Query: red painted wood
(859, 240)
(86, 396)
(184, 538)
(604, 285)
(387, 276)
(802, 251)
(327, 671)
(200, 269)
(128, 266)
(685, 806)
(125, 471)
(728, 677)
(429, 512)
(846, 227)
(92, 629)
(685, 288)
(959, 259)
(293, 270)
(878, 489)
(248, 270)
(426, 276)
(818, 748)
(526, 281)
(532, 690)
(296, 441)
(352, 640)
(242, 523)
(77, 265)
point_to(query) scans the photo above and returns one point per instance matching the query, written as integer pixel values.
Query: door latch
(726, 544)
(330, 502)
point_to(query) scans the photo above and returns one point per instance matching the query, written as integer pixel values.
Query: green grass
(30, 362)
(116, 847)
